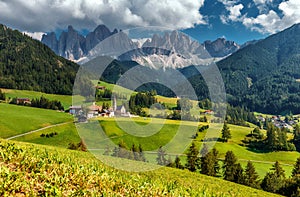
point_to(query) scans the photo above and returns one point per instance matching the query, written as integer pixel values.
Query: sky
(235, 20)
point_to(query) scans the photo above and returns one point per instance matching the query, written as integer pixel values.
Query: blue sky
(235, 20)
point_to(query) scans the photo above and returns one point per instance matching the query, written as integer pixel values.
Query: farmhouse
(75, 110)
(23, 101)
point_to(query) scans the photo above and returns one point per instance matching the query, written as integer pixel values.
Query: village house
(75, 110)
(23, 101)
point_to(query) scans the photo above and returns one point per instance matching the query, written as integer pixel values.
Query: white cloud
(35, 35)
(264, 23)
(234, 12)
(48, 15)
(268, 21)
(262, 5)
(271, 22)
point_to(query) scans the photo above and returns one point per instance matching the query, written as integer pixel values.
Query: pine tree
(229, 166)
(2, 95)
(192, 158)
(122, 150)
(271, 137)
(177, 163)
(274, 180)
(141, 154)
(251, 176)
(135, 152)
(238, 174)
(215, 161)
(207, 165)
(226, 133)
(278, 170)
(296, 170)
(270, 183)
(161, 157)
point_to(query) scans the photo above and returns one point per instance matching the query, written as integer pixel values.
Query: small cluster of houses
(97, 111)
(279, 122)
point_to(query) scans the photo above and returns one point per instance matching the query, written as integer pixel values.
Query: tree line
(41, 102)
(207, 163)
(122, 151)
(276, 139)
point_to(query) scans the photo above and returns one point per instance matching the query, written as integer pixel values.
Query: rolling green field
(65, 134)
(19, 119)
(36, 170)
(66, 100)
(165, 133)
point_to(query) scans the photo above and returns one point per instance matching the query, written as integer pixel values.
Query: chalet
(100, 87)
(94, 111)
(75, 110)
(23, 101)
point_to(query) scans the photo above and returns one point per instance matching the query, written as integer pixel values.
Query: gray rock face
(172, 49)
(99, 34)
(72, 45)
(221, 47)
(51, 41)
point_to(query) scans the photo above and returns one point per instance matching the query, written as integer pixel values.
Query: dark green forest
(30, 65)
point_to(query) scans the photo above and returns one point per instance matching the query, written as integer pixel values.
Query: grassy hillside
(65, 134)
(66, 100)
(39, 170)
(262, 161)
(19, 119)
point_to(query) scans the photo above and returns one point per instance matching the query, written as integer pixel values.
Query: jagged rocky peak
(51, 41)
(73, 45)
(221, 47)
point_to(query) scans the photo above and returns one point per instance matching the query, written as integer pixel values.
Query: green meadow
(16, 120)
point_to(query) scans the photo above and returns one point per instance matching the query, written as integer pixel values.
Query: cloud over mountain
(47, 15)
(273, 16)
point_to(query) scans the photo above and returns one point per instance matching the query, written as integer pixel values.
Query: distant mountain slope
(72, 45)
(168, 48)
(28, 64)
(265, 76)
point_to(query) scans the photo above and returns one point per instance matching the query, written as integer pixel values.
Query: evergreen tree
(2, 95)
(135, 152)
(170, 163)
(296, 170)
(141, 154)
(177, 163)
(278, 170)
(274, 180)
(296, 139)
(207, 165)
(215, 154)
(192, 158)
(270, 183)
(271, 137)
(251, 176)
(229, 166)
(225, 133)
(238, 174)
(161, 157)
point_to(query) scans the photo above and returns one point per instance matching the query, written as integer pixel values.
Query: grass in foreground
(35, 170)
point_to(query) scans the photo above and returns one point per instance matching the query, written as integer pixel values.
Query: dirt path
(34, 131)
